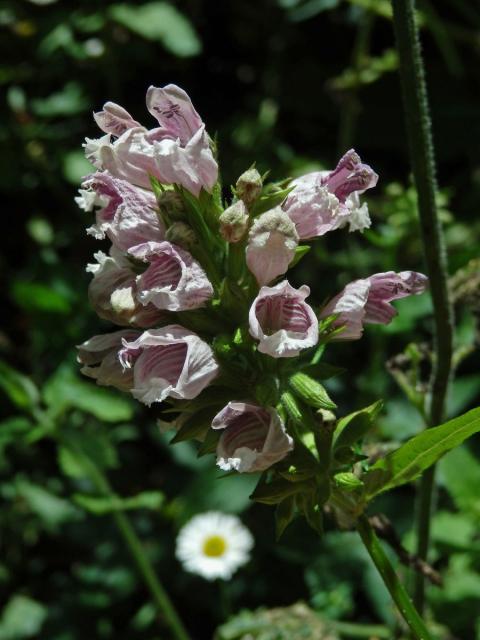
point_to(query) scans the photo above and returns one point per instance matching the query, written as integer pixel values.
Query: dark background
(291, 85)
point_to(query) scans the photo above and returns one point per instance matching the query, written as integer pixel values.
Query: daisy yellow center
(214, 546)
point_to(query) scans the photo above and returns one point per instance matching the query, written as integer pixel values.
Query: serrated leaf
(420, 452)
(354, 426)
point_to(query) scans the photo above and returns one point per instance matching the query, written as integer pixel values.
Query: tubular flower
(113, 293)
(326, 200)
(254, 438)
(168, 362)
(173, 280)
(99, 357)
(368, 300)
(124, 213)
(271, 245)
(177, 152)
(282, 321)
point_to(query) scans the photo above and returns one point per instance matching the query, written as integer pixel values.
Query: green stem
(391, 581)
(422, 159)
(159, 596)
(357, 630)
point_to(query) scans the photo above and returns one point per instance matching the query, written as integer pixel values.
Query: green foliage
(21, 618)
(420, 452)
(162, 22)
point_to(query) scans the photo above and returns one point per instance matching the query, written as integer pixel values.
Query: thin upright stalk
(159, 596)
(419, 134)
(391, 581)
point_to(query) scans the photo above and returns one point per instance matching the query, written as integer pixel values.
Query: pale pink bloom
(271, 245)
(254, 437)
(114, 119)
(99, 357)
(368, 300)
(173, 109)
(173, 280)
(326, 200)
(177, 152)
(126, 214)
(282, 321)
(113, 293)
(168, 362)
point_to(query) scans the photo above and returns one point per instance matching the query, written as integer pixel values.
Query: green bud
(249, 186)
(181, 234)
(171, 206)
(311, 391)
(348, 481)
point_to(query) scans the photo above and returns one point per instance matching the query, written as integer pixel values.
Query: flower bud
(182, 235)
(271, 245)
(249, 186)
(171, 205)
(234, 222)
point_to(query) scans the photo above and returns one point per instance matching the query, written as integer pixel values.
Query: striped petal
(282, 321)
(168, 362)
(173, 280)
(254, 437)
(368, 300)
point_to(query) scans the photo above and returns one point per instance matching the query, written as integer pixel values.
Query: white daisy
(214, 545)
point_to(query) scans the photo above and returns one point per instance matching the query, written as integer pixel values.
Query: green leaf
(463, 487)
(284, 514)
(161, 22)
(276, 491)
(196, 426)
(323, 370)
(65, 389)
(300, 252)
(20, 389)
(50, 508)
(354, 426)
(420, 452)
(100, 505)
(310, 391)
(22, 617)
(39, 297)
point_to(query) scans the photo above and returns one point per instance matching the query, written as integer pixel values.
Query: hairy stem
(422, 160)
(391, 581)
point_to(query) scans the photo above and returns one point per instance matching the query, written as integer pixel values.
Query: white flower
(214, 545)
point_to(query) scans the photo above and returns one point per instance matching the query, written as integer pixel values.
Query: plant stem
(391, 581)
(357, 630)
(159, 596)
(422, 160)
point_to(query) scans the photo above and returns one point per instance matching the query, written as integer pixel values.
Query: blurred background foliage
(290, 84)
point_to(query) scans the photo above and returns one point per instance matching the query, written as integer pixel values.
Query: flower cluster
(198, 285)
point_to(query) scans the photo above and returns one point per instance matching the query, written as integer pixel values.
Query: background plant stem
(391, 581)
(422, 160)
(159, 596)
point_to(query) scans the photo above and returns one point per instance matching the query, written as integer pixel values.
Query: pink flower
(99, 357)
(323, 201)
(126, 214)
(114, 119)
(173, 280)
(174, 111)
(271, 245)
(177, 152)
(368, 300)
(282, 321)
(254, 438)
(113, 293)
(168, 362)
